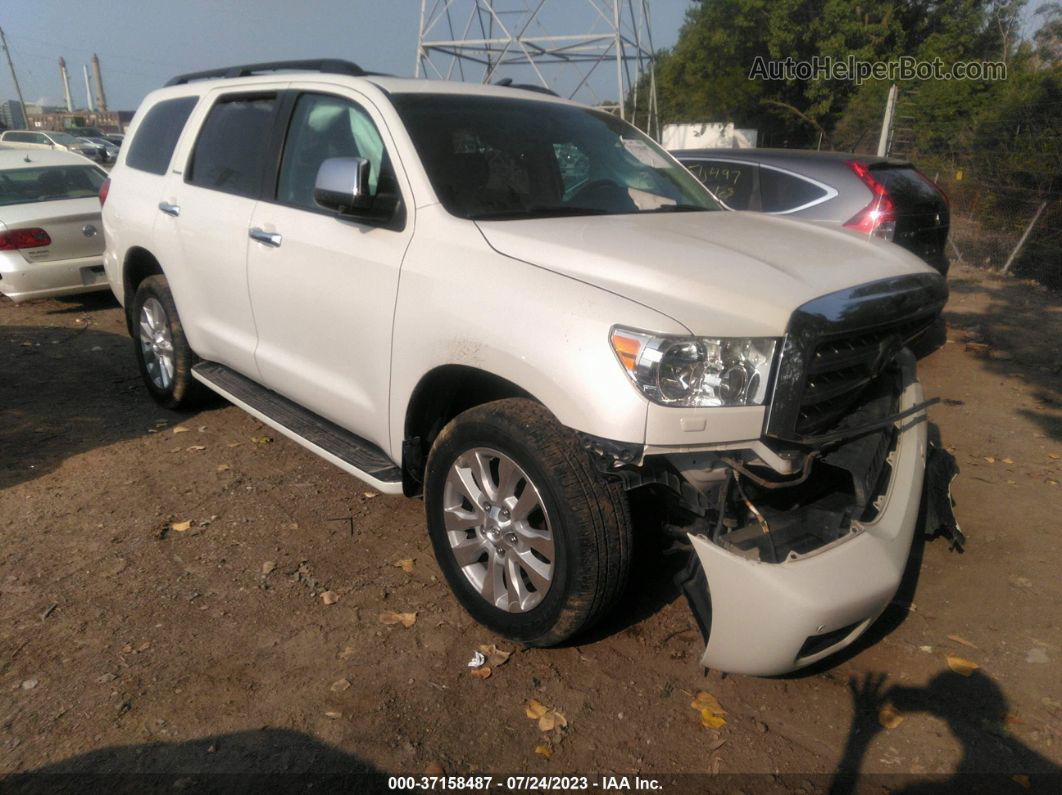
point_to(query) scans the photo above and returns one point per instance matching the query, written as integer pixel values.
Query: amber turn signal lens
(627, 348)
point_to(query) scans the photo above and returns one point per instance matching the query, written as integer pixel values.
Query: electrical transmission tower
(484, 39)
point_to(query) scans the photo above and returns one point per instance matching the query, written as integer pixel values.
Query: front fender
(461, 302)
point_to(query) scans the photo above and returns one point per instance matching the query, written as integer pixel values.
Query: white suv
(524, 310)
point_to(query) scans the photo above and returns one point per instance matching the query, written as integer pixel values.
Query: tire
(545, 596)
(162, 352)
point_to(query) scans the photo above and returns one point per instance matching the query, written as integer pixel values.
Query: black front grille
(837, 345)
(841, 367)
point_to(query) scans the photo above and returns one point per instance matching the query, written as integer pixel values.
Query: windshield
(505, 159)
(66, 139)
(50, 183)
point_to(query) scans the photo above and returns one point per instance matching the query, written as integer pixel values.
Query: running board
(347, 451)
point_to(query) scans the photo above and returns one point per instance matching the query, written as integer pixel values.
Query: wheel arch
(441, 394)
(139, 264)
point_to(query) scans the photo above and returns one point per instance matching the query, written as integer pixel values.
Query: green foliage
(994, 144)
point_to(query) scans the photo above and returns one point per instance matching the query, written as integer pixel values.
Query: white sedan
(51, 238)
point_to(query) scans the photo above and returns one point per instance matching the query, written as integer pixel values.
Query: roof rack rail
(326, 65)
(507, 82)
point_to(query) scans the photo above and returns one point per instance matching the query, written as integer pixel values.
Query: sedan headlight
(697, 371)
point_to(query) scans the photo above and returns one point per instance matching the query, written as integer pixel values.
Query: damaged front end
(798, 541)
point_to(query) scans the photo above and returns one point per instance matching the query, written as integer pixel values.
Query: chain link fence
(1003, 177)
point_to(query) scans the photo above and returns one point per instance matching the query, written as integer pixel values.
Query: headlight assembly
(697, 371)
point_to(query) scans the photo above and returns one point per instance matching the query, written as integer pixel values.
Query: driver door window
(323, 127)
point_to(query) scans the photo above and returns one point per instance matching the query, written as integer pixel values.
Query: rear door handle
(269, 238)
(170, 209)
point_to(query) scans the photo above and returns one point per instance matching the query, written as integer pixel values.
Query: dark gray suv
(874, 196)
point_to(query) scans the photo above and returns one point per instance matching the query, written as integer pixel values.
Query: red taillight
(14, 239)
(104, 190)
(879, 217)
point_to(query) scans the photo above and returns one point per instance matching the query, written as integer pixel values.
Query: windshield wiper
(536, 212)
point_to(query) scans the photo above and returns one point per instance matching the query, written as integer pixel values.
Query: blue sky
(142, 43)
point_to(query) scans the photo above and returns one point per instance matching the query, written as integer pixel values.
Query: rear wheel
(162, 351)
(532, 540)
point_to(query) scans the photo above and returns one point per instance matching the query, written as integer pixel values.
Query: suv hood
(717, 273)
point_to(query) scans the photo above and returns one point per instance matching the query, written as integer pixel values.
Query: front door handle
(170, 209)
(269, 238)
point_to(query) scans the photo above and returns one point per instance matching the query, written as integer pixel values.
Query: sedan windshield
(66, 139)
(492, 158)
(50, 183)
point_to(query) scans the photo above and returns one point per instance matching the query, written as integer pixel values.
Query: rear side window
(730, 182)
(157, 135)
(780, 192)
(906, 187)
(230, 152)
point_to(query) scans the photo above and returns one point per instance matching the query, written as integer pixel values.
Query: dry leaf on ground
(390, 617)
(889, 717)
(329, 597)
(711, 711)
(494, 655)
(180, 527)
(262, 439)
(962, 666)
(548, 719)
(195, 448)
(180, 429)
(406, 564)
(483, 672)
(962, 640)
(544, 749)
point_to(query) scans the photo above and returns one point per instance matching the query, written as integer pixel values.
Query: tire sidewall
(537, 622)
(183, 358)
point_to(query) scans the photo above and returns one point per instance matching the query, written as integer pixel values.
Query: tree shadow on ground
(84, 303)
(65, 391)
(1018, 333)
(269, 760)
(976, 711)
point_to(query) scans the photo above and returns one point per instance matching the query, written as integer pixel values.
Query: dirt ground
(128, 643)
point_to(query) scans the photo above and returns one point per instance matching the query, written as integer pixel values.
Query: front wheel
(533, 541)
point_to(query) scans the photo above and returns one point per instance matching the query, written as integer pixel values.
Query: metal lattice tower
(485, 39)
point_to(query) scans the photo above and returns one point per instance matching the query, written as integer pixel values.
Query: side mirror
(343, 185)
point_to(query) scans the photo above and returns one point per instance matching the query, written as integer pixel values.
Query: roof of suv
(331, 70)
(390, 85)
